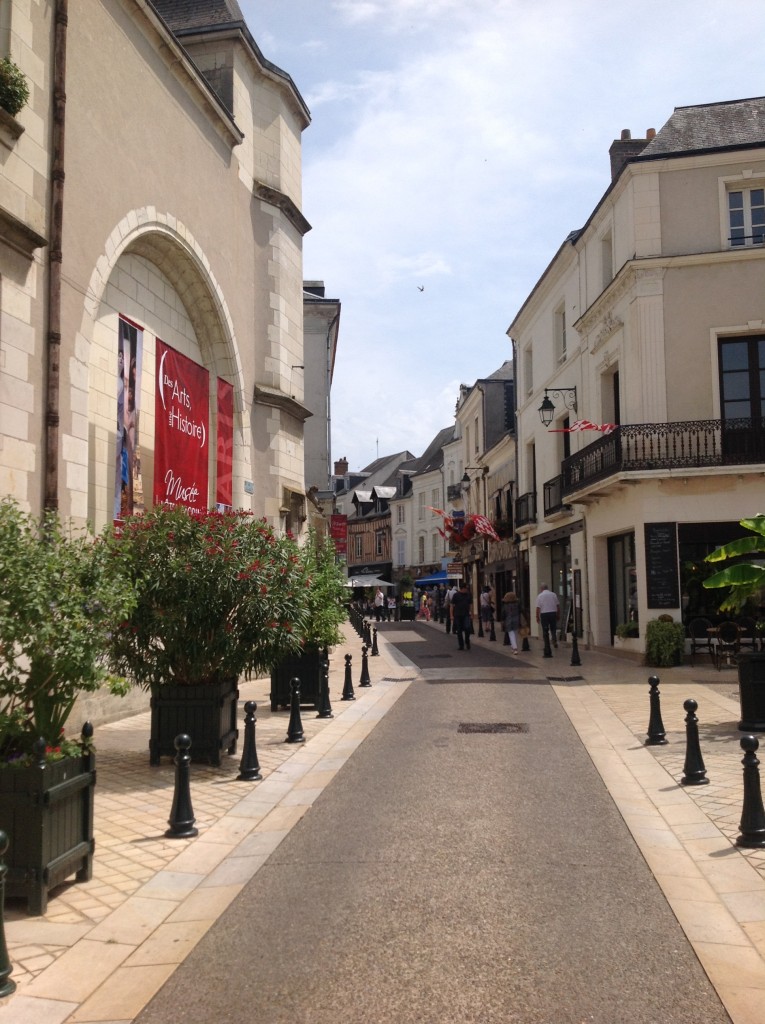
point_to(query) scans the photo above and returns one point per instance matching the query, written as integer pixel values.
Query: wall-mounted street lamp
(547, 409)
(465, 482)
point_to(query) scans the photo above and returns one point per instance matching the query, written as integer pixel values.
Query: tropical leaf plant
(746, 579)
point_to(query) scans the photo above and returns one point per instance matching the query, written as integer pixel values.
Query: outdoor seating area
(723, 641)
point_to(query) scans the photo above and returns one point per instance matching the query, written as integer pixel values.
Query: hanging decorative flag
(604, 428)
(482, 525)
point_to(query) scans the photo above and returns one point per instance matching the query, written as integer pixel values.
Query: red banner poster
(180, 443)
(224, 479)
(338, 531)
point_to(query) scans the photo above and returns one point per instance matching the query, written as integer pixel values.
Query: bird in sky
(421, 287)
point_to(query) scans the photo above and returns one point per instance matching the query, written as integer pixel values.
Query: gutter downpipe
(55, 257)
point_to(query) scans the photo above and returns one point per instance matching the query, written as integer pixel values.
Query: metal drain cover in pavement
(484, 727)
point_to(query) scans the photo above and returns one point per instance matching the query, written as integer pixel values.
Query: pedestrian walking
(462, 616)
(451, 590)
(392, 608)
(486, 607)
(548, 608)
(511, 618)
(378, 604)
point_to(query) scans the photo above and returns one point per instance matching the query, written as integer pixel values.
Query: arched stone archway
(154, 273)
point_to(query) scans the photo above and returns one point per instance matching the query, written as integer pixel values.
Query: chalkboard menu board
(662, 580)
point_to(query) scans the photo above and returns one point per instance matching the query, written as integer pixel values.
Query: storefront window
(622, 579)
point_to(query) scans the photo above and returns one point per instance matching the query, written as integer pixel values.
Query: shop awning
(436, 577)
(367, 580)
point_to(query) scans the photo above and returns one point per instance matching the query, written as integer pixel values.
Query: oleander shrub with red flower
(62, 595)
(218, 594)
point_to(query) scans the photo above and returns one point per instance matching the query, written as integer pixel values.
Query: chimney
(626, 148)
(341, 467)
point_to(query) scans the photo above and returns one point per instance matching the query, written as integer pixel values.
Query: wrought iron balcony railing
(655, 446)
(526, 509)
(553, 496)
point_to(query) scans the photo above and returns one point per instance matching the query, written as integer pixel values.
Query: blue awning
(427, 581)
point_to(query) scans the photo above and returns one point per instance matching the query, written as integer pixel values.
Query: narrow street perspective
(467, 865)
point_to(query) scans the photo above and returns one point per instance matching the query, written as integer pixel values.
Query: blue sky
(453, 146)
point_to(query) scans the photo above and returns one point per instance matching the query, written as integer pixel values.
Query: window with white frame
(559, 329)
(746, 216)
(435, 553)
(379, 534)
(401, 550)
(400, 514)
(435, 498)
(420, 550)
(421, 505)
(475, 432)
(359, 545)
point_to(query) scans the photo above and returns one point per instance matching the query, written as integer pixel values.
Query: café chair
(748, 631)
(701, 636)
(728, 643)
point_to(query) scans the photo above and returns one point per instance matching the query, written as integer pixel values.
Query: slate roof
(732, 124)
(186, 15)
(433, 456)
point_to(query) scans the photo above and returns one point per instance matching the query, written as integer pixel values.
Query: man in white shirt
(548, 607)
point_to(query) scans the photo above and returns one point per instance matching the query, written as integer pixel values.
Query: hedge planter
(751, 688)
(207, 712)
(307, 667)
(47, 811)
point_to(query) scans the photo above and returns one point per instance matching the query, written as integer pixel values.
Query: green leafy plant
(627, 630)
(326, 592)
(746, 579)
(664, 642)
(218, 594)
(63, 594)
(14, 89)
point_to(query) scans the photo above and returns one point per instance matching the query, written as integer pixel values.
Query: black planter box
(206, 712)
(47, 813)
(307, 667)
(406, 613)
(751, 688)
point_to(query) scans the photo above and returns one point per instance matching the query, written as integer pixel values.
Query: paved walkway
(105, 947)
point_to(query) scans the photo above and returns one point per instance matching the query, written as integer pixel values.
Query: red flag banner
(181, 444)
(604, 428)
(224, 477)
(338, 532)
(482, 525)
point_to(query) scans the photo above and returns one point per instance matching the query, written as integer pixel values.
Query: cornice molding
(17, 234)
(265, 395)
(282, 202)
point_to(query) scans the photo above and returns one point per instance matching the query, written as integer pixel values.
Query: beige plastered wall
(161, 225)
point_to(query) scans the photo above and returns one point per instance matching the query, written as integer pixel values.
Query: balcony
(553, 497)
(526, 509)
(645, 447)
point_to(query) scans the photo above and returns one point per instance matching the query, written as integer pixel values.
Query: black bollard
(325, 708)
(656, 734)
(694, 772)
(752, 827)
(348, 693)
(181, 820)
(575, 659)
(374, 652)
(525, 645)
(6, 985)
(364, 680)
(492, 634)
(249, 769)
(295, 727)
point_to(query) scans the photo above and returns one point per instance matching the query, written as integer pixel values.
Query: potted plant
(325, 611)
(218, 594)
(14, 88)
(664, 642)
(63, 594)
(745, 579)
